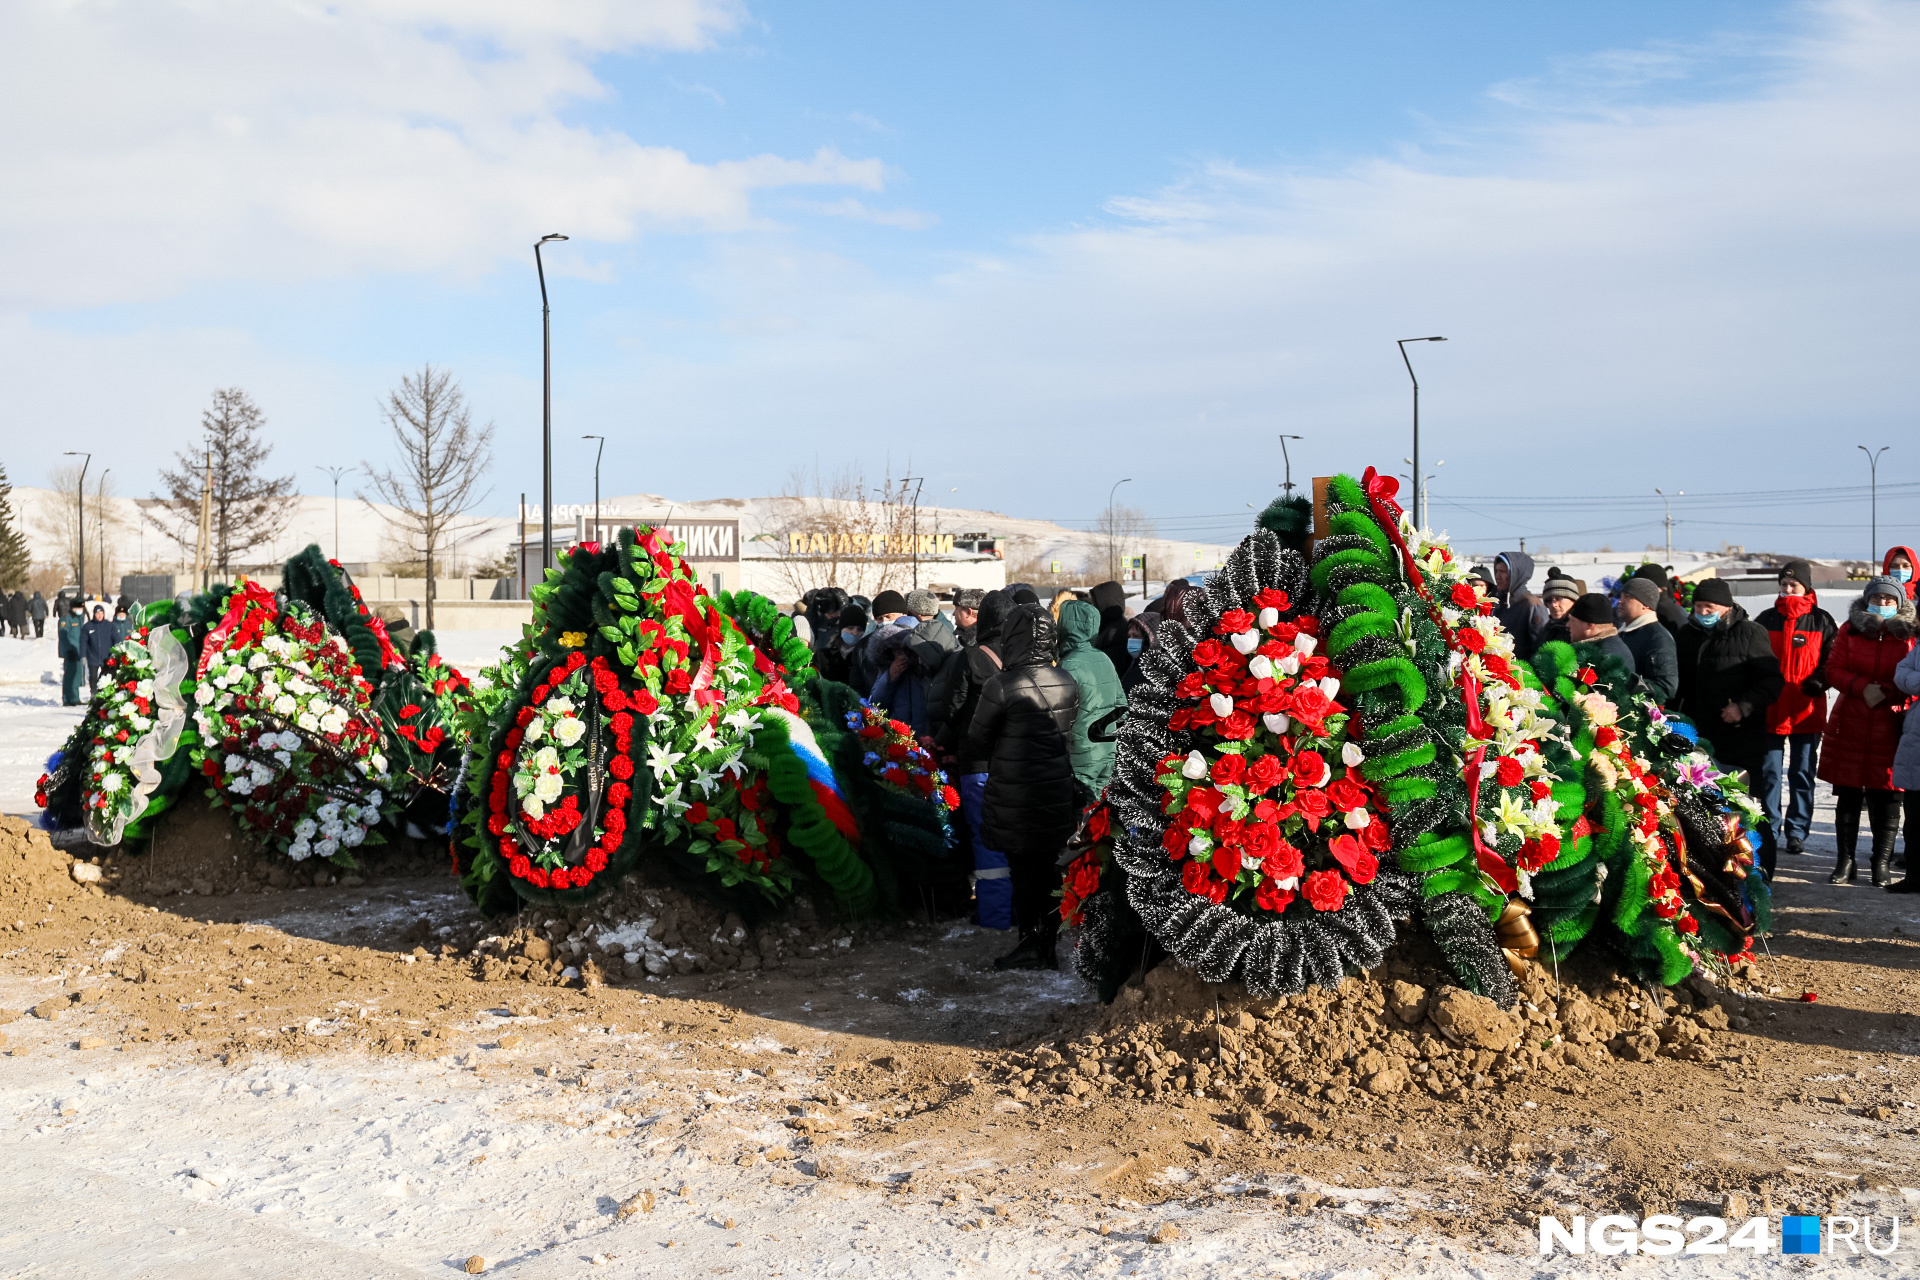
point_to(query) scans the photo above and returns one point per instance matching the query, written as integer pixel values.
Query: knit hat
(1559, 589)
(889, 602)
(1593, 608)
(1023, 595)
(1885, 586)
(853, 616)
(1652, 573)
(1801, 572)
(921, 603)
(1645, 590)
(1713, 591)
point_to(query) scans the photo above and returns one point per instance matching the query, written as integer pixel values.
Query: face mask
(1901, 574)
(850, 636)
(1883, 610)
(1135, 644)
(1707, 619)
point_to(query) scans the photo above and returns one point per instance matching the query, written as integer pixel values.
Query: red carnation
(643, 702)
(1326, 890)
(1464, 596)
(1509, 772)
(1271, 598)
(1687, 924)
(620, 767)
(678, 682)
(1605, 736)
(1470, 639)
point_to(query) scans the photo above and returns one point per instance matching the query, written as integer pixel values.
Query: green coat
(1100, 693)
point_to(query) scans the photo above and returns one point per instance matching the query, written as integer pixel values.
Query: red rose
(1464, 596)
(1228, 770)
(1344, 795)
(1285, 863)
(1271, 598)
(1508, 772)
(949, 797)
(1470, 639)
(1226, 861)
(1376, 836)
(1326, 890)
(678, 682)
(1209, 653)
(1352, 855)
(1238, 727)
(1233, 622)
(1265, 773)
(1605, 736)
(1175, 842)
(1687, 924)
(1099, 823)
(1309, 769)
(1202, 804)
(696, 814)
(1312, 804)
(1539, 790)
(1310, 705)
(1271, 897)
(1195, 877)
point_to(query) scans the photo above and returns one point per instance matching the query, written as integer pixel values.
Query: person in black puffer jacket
(1023, 727)
(1728, 679)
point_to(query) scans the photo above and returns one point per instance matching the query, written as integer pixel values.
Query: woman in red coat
(1900, 565)
(1863, 733)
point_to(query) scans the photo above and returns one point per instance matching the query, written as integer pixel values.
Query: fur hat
(1593, 608)
(1713, 591)
(968, 598)
(889, 602)
(1645, 590)
(921, 603)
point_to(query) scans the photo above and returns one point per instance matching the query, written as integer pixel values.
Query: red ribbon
(1489, 861)
(1380, 490)
(249, 596)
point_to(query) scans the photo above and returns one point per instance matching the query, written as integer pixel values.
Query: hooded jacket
(1100, 694)
(1110, 599)
(972, 668)
(1801, 633)
(37, 607)
(1023, 728)
(1861, 741)
(1913, 562)
(1906, 759)
(1518, 610)
(1730, 662)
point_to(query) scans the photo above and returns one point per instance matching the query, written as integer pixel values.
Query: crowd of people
(1788, 698)
(85, 632)
(1019, 699)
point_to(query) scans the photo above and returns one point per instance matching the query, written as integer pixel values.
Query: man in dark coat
(1523, 617)
(73, 654)
(1654, 655)
(96, 645)
(37, 610)
(1801, 633)
(1591, 627)
(1728, 679)
(1110, 598)
(1672, 616)
(935, 647)
(1023, 727)
(976, 665)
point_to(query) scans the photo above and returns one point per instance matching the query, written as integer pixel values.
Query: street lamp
(1873, 469)
(1419, 508)
(1420, 482)
(546, 408)
(100, 534)
(1287, 488)
(596, 482)
(1677, 493)
(1113, 535)
(80, 505)
(336, 473)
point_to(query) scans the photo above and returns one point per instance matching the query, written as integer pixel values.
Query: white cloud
(156, 146)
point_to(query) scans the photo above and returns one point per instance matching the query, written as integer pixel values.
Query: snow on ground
(474, 649)
(33, 724)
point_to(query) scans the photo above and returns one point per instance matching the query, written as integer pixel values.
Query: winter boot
(1035, 951)
(1846, 837)
(1885, 814)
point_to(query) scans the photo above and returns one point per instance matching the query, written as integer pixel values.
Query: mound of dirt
(1398, 1033)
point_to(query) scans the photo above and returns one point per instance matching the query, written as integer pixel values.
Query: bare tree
(836, 532)
(249, 508)
(1121, 530)
(58, 522)
(442, 461)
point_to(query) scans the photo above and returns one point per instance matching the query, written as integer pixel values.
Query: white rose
(235, 763)
(559, 706)
(1290, 664)
(1357, 819)
(256, 660)
(1276, 722)
(240, 786)
(353, 836)
(327, 848)
(1268, 618)
(536, 730)
(1194, 767)
(308, 721)
(533, 808)
(1222, 705)
(569, 731)
(299, 850)
(203, 695)
(328, 811)
(375, 800)
(284, 705)
(258, 774)
(1305, 644)
(1351, 755)
(1260, 667)
(1197, 847)
(548, 787)
(304, 828)
(1331, 686)
(1245, 641)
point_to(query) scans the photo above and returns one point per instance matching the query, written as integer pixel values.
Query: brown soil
(896, 1047)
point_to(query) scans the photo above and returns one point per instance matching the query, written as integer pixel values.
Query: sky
(1023, 251)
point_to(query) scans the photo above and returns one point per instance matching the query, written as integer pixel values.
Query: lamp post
(100, 534)
(602, 448)
(80, 507)
(1113, 534)
(1420, 482)
(1287, 488)
(1873, 472)
(546, 408)
(1419, 509)
(336, 473)
(1677, 493)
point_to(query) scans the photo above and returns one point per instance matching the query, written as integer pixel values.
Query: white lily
(661, 759)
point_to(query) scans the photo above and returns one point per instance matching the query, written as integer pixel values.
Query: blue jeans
(992, 881)
(1795, 755)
